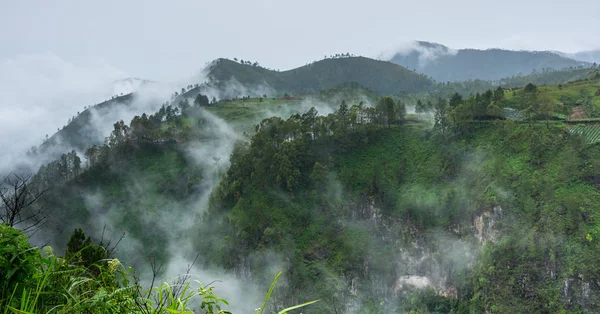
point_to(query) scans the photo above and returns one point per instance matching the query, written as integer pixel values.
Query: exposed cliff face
(423, 259)
(485, 225)
(580, 292)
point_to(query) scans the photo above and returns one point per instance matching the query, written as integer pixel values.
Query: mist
(426, 52)
(39, 94)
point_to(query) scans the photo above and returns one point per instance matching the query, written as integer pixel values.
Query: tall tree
(201, 100)
(441, 117)
(388, 111)
(455, 100)
(419, 107)
(498, 94)
(546, 105)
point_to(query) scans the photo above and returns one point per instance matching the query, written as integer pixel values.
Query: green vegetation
(87, 280)
(489, 207)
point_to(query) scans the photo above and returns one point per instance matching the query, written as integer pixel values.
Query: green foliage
(340, 196)
(34, 282)
(81, 250)
(530, 88)
(18, 262)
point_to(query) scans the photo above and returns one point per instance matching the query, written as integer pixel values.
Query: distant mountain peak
(447, 64)
(428, 44)
(422, 52)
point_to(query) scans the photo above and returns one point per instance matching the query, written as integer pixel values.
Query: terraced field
(590, 132)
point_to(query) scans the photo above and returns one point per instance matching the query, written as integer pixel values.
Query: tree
(530, 88)
(498, 94)
(419, 107)
(82, 251)
(92, 155)
(455, 100)
(343, 109)
(119, 135)
(18, 209)
(76, 163)
(388, 110)
(400, 111)
(546, 105)
(201, 100)
(184, 105)
(442, 121)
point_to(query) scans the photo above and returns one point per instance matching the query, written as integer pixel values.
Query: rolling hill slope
(379, 76)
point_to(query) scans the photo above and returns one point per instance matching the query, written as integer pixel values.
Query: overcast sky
(58, 56)
(165, 40)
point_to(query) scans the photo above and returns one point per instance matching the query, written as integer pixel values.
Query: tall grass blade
(262, 309)
(284, 311)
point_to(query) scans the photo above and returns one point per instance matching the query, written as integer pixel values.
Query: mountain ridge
(446, 64)
(379, 76)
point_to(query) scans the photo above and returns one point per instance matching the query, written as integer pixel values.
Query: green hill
(382, 77)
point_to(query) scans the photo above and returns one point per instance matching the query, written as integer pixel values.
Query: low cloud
(40, 93)
(427, 51)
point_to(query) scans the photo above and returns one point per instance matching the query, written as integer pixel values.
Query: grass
(568, 94)
(244, 114)
(58, 287)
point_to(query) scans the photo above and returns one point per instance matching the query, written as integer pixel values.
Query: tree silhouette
(17, 208)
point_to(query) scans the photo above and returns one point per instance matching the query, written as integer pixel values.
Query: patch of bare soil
(578, 113)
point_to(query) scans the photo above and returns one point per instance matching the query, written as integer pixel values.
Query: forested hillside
(381, 77)
(475, 203)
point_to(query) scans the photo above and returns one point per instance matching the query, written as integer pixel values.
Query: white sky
(165, 40)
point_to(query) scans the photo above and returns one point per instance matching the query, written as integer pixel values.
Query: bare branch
(18, 196)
